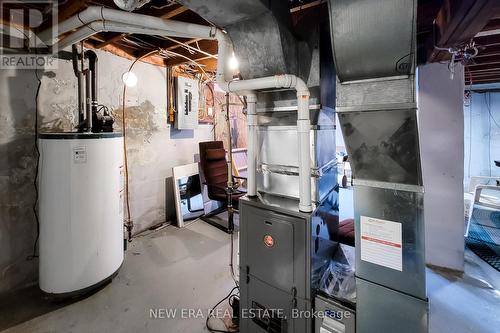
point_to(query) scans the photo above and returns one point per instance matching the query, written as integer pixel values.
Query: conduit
(96, 19)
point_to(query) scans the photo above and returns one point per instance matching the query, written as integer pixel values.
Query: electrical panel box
(187, 98)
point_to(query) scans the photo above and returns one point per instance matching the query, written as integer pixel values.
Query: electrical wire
(210, 329)
(37, 165)
(231, 260)
(187, 58)
(125, 159)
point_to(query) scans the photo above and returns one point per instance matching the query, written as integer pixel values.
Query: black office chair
(189, 190)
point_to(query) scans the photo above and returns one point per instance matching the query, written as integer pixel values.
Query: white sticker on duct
(381, 242)
(80, 155)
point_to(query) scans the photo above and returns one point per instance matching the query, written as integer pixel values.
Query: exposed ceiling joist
(111, 40)
(189, 42)
(173, 13)
(459, 21)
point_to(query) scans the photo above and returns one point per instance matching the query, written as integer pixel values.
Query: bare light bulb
(129, 79)
(233, 63)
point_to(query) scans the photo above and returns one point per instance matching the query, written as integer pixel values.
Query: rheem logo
(268, 241)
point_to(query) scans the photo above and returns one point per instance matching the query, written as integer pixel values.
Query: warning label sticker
(381, 242)
(80, 155)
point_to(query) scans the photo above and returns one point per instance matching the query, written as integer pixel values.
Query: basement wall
(441, 127)
(153, 148)
(482, 135)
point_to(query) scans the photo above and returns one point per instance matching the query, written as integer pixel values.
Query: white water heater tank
(80, 210)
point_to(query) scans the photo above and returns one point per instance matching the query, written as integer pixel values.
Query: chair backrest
(214, 167)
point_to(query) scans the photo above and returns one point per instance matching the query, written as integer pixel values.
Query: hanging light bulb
(130, 79)
(233, 63)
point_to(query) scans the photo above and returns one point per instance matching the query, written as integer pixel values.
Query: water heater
(80, 209)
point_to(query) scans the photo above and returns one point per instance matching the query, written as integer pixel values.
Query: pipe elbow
(92, 13)
(301, 87)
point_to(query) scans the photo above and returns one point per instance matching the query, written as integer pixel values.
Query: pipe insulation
(104, 15)
(95, 27)
(252, 144)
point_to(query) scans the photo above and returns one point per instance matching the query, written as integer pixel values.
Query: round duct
(130, 5)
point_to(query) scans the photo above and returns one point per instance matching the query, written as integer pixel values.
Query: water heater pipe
(93, 60)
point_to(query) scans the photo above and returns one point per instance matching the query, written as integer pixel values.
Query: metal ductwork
(130, 5)
(260, 31)
(374, 51)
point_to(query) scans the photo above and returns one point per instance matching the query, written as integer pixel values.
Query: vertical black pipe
(88, 126)
(92, 56)
(79, 75)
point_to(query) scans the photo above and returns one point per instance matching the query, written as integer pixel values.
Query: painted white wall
(482, 135)
(441, 128)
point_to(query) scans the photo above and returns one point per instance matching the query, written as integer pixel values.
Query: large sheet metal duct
(374, 52)
(254, 26)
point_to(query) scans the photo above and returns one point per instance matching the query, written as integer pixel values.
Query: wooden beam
(488, 40)
(307, 5)
(486, 60)
(189, 42)
(483, 74)
(179, 60)
(64, 11)
(111, 40)
(482, 67)
(459, 21)
(70, 8)
(129, 54)
(174, 12)
(206, 46)
(491, 80)
(487, 69)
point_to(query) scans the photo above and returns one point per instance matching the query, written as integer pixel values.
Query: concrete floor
(188, 268)
(468, 302)
(172, 268)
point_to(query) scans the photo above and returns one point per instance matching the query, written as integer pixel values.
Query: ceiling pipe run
(91, 20)
(130, 5)
(101, 26)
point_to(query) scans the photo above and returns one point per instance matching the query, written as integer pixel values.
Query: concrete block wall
(153, 150)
